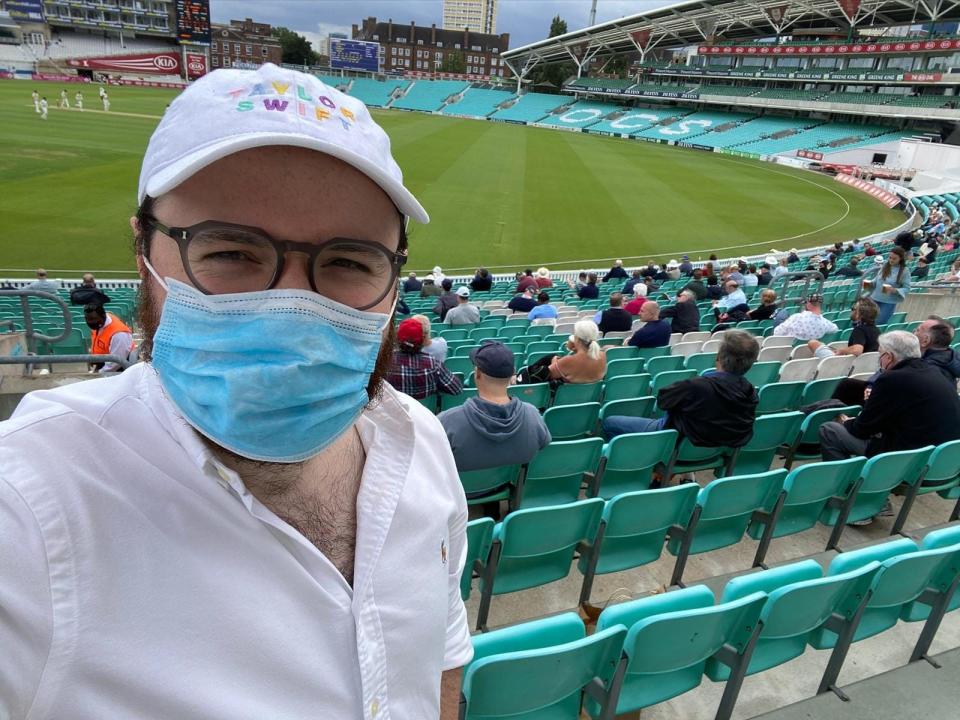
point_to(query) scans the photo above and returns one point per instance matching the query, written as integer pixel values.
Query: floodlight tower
(593, 13)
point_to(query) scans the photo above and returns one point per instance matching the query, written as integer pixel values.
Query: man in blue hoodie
(493, 429)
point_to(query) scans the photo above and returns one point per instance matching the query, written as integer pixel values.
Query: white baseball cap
(463, 291)
(229, 110)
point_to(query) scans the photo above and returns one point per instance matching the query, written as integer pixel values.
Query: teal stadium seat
(628, 462)
(572, 422)
(769, 433)
(557, 473)
(479, 539)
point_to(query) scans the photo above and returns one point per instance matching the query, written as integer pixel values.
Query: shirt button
(374, 708)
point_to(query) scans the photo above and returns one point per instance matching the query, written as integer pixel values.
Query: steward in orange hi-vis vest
(100, 340)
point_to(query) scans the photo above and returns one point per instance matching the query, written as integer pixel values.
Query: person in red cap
(413, 371)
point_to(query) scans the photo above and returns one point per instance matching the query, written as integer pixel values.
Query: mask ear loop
(156, 276)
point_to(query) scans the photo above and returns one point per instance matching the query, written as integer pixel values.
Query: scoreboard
(354, 55)
(193, 21)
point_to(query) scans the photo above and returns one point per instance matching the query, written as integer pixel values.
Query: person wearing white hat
(465, 312)
(438, 276)
(255, 524)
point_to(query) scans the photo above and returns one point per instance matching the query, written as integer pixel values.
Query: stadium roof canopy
(694, 21)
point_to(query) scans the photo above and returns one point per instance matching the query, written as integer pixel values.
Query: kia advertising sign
(196, 65)
(167, 63)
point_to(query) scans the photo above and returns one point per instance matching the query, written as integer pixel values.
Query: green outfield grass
(499, 195)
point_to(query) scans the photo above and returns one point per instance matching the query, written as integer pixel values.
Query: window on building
(406, 63)
(213, 45)
(376, 37)
(393, 51)
(406, 52)
(249, 49)
(476, 48)
(493, 61)
(401, 39)
(419, 42)
(456, 46)
(215, 61)
(264, 51)
(236, 48)
(495, 51)
(439, 43)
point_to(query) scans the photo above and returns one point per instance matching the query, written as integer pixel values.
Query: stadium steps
(633, 120)
(531, 107)
(377, 93)
(581, 114)
(429, 96)
(478, 102)
(691, 126)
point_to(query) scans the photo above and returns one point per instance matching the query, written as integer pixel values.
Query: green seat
(541, 331)
(464, 350)
(780, 397)
(807, 444)
(700, 361)
(688, 458)
(724, 510)
(769, 433)
(577, 393)
(485, 332)
(618, 368)
(632, 531)
(533, 357)
(448, 402)
(654, 352)
(817, 390)
(511, 330)
(535, 547)
(665, 379)
(945, 537)
(537, 394)
(799, 601)
(461, 333)
(879, 476)
(571, 422)
(621, 352)
(459, 364)
(556, 473)
(429, 402)
(538, 669)
(628, 461)
(942, 475)
(763, 373)
(490, 484)
(638, 407)
(479, 538)
(542, 346)
(810, 490)
(671, 636)
(665, 363)
(626, 387)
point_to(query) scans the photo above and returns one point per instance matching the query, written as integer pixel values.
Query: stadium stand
(429, 96)
(790, 94)
(375, 92)
(334, 81)
(477, 102)
(693, 125)
(581, 114)
(77, 45)
(532, 107)
(752, 130)
(633, 120)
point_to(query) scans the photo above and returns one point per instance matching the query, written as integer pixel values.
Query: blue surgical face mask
(275, 375)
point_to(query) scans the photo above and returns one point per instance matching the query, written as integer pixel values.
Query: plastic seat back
(799, 370)
(727, 506)
(479, 538)
(763, 373)
(626, 387)
(629, 461)
(769, 433)
(556, 473)
(690, 457)
(943, 467)
(490, 483)
(686, 349)
(665, 379)
(629, 366)
(572, 422)
(667, 649)
(538, 669)
(537, 394)
(817, 390)
(810, 428)
(799, 601)
(577, 393)
(448, 402)
(835, 366)
(636, 524)
(656, 365)
(780, 397)
(622, 352)
(537, 545)
(945, 537)
(881, 474)
(638, 407)
(700, 361)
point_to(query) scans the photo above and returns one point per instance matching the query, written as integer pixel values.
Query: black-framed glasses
(221, 258)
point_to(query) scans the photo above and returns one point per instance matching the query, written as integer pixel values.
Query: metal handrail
(33, 336)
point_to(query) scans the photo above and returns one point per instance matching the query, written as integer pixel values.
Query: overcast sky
(525, 20)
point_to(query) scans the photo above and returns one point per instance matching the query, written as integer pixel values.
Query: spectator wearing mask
(414, 372)
(684, 315)
(910, 405)
(639, 298)
(767, 307)
(935, 336)
(616, 272)
(88, 292)
(714, 410)
(524, 302)
(921, 271)
(465, 313)
(493, 429)
(482, 280)
(809, 324)
(590, 291)
(42, 284)
(851, 269)
(435, 347)
(110, 336)
(430, 288)
(864, 336)
(696, 285)
(411, 284)
(630, 284)
(543, 278)
(654, 333)
(686, 267)
(889, 284)
(714, 291)
(614, 318)
(586, 362)
(527, 280)
(447, 300)
(543, 310)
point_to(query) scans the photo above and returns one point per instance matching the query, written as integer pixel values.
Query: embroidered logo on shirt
(443, 551)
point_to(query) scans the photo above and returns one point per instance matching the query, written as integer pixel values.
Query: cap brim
(184, 168)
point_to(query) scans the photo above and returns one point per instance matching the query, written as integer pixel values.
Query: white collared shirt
(140, 579)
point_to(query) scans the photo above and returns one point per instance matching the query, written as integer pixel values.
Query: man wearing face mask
(110, 335)
(254, 525)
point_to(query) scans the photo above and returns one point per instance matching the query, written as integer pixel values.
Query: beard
(149, 309)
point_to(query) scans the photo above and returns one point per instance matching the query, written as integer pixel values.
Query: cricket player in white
(36, 100)
(78, 99)
(64, 103)
(106, 102)
(43, 109)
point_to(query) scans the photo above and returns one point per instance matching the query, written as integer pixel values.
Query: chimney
(433, 34)
(353, 31)
(466, 38)
(389, 29)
